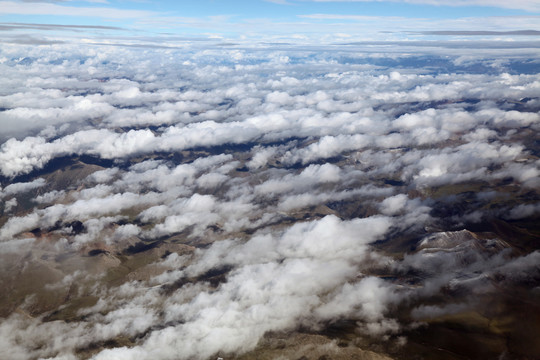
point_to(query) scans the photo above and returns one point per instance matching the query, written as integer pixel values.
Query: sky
(124, 123)
(278, 20)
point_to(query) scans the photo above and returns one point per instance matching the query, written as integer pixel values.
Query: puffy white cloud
(523, 210)
(16, 225)
(265, 293)
(394, 204)
(313, 174)
(17, 188)
(327, 147)
(23, 156)
(8, 205)
(261, 157)
(367, 300)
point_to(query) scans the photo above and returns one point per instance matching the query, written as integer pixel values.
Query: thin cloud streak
(30, 26)
(14, 8)
(527, 5)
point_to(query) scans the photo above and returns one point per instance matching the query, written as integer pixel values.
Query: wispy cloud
(479, 26)
(527, 5)
(55, 1)
(15, 8)
(355, 17)
(30, 26)
(483, 33)
(280, 2)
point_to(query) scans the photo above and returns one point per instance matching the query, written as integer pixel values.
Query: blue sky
(277, 19)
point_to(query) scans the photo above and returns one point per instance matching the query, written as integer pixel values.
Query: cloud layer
(186, 204)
